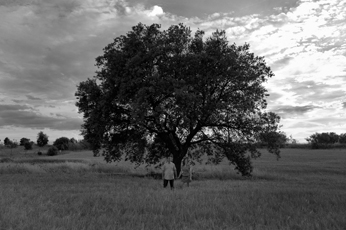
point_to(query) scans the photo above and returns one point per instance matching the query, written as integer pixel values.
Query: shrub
(23, 141)
(27, 145)
(62, 143)
(52, 151)
(39, 153)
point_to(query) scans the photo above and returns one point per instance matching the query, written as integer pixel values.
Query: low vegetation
(52, 151)
(305, 189)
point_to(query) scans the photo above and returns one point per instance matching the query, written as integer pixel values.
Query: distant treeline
(315, 141)
(61, 143)
(325, 140)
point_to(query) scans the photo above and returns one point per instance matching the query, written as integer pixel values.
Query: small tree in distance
(61, 143)
(52, 151)
(23, 141)
(342, 138)
(42, 139)
(7, 141)
(28, 145)
(12, 144)
(169, 92)
(323, 140)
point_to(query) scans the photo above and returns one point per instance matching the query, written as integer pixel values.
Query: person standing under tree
(186, 172)
(169, 173)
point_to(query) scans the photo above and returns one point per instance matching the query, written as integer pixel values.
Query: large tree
(167, 91)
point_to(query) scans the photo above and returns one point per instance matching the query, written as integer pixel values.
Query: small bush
(27, 145)
(62, 143)
(52, 151)
(39, 153)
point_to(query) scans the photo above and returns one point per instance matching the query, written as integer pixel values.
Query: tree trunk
(177, 162)
(177, 159)
(175, 148)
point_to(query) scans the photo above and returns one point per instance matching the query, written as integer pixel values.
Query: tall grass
(303, 190)
(60, 167)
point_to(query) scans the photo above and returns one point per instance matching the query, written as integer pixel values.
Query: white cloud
(156, 11)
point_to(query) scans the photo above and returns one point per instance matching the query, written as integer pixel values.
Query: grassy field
(305, 189)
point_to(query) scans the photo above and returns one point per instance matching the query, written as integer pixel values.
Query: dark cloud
(303, 124)
(9, 3)
(119, 6)
(288, 110)
(49, 106)
(33, 98)
(273, 96)
(55, 9)
(26, 117)
(59, 115)
(330, 121)
(18, 101)
(15, 107)
(311, 91)
(53, 55)
(280, 63)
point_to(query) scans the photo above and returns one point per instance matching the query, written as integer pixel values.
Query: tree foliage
(10, 144)
(7, 141)
(28, 145)
(274, 140)
(23, 141)
(52, 151)
(167, 92)
(323, 140)
(342, 138)
(62, 143)
(42, 139)
(73, 140)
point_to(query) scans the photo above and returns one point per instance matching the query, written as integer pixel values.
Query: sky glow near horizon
(48, 46)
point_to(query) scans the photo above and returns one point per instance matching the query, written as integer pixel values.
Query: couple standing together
(169, 173)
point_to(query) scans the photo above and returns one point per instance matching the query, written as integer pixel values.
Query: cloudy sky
(48, 46)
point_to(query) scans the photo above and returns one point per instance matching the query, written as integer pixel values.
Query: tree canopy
(61, 143)
(42, 139)
(23, 141)
(168, 91)
(323, 140)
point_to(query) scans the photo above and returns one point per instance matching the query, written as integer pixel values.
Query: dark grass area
(87, 201)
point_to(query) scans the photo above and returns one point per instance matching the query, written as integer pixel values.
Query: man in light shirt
(169, 173)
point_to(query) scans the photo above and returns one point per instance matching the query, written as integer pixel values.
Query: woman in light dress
(186, 172)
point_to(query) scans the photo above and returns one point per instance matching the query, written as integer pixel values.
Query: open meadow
(305, 189)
